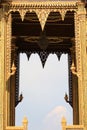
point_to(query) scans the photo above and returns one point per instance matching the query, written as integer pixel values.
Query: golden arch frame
(43, 9)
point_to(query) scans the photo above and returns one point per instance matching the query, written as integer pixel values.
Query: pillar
(12, 89)
(75, 100)
(74, 88)
(81, 65)
(5, 42)
(8, 69)
(2, 69)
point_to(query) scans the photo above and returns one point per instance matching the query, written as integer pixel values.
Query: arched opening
(56, 38)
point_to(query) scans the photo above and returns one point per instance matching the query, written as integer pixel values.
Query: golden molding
(42, 9)
(43, 3)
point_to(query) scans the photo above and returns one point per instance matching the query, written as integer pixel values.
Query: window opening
(43, 90)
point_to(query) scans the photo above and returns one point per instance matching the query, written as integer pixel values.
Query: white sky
(43, 91)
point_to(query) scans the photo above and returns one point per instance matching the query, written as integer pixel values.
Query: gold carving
(42, 9)
(43, 3)
(42, 16)
(22, 13)
(63, 12)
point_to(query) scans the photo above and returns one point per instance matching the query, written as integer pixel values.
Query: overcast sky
(43, 91)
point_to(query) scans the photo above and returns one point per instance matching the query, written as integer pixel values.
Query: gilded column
(8, 67)
(80, 44)
(84, 64)
(5, 55)
(1, 70)
(78, 64)
(2, 67)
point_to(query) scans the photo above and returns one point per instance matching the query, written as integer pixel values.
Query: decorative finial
(20, 97)
(63, 121)
(13, 70)
(73, 69)
(25, 123)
